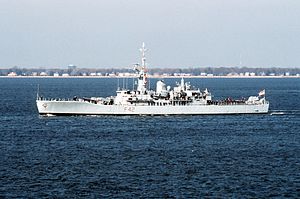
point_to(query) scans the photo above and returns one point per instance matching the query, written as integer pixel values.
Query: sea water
(251, 156)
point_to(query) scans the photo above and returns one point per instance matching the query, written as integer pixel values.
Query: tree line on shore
(195, 71)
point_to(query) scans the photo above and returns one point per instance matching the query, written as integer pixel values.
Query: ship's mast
(143, 50)
(142, 79)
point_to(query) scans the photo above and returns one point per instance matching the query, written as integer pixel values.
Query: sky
(177, 33)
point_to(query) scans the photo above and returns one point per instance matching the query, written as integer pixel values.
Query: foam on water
(284, 112)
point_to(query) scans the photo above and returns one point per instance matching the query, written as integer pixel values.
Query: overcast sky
(178, 33)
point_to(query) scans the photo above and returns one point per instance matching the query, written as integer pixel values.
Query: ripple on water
(240, 156)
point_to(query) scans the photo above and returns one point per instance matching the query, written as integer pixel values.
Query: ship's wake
(284, 112)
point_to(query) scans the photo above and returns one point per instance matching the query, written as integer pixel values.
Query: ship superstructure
(183, 99)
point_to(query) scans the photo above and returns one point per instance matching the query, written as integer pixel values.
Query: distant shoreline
(160, 76)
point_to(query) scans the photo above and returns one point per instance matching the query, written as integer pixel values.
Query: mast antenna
(143, 50)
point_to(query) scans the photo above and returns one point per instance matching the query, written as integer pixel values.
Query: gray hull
(86, 108)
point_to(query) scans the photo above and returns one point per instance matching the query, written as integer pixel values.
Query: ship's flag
(262, 93)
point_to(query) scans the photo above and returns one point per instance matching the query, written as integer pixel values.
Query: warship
(183, 99)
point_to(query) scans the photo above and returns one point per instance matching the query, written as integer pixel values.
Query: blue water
(239, 156)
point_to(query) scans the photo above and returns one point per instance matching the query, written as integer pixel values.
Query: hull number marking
(129, 109)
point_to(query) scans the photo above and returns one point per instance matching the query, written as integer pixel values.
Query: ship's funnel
(160, 87)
